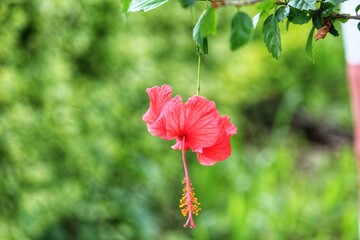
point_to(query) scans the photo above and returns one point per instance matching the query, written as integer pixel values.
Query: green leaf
(145, 5)
(297, 16)
(241, 30)
(327, 9)
(186, 3)
(318, 20)
(287, 24)
(333, 31)
(282, 13)
(205, 26)
(199, 39)
(303, 4)
(357, 9)
(335, 2)
(358, 26)
(208, 22)
(255, 20)
(266, 6)
(125, 6)
(309, 45)
(344, 20)
(271, 34)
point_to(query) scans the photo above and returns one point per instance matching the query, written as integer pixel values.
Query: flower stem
(198, 74)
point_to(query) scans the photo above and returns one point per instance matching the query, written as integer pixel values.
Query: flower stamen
(189, 204)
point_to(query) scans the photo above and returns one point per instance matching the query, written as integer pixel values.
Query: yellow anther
(188, 202)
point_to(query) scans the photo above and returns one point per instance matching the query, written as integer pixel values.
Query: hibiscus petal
(221, 150)
(196, 120)
(158, 97)
(160, 103)
(206, 161)
(218, 152)
(158, 128)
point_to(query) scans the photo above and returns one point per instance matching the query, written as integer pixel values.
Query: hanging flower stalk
(196, 125)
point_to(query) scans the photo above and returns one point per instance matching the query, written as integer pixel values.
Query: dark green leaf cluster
(322, 14)
(301, 12)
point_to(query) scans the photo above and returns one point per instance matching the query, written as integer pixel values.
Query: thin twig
(343, 16)
(239, 3)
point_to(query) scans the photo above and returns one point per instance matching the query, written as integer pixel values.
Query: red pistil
(189, 204)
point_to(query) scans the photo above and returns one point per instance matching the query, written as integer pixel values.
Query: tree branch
(343, 16)
(236, 3)
(239, 3)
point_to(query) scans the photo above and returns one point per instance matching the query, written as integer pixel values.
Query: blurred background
(77, 162)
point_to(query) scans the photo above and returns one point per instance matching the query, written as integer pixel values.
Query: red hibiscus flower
(196, 125)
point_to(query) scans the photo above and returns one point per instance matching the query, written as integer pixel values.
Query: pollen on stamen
(188, 202)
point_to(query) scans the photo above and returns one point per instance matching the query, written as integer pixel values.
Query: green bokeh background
(77, 162)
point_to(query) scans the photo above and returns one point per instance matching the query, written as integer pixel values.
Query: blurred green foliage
(76, 160)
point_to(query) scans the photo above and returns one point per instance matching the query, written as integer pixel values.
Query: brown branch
(245, 3)
(239, 3)
(343, 16)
